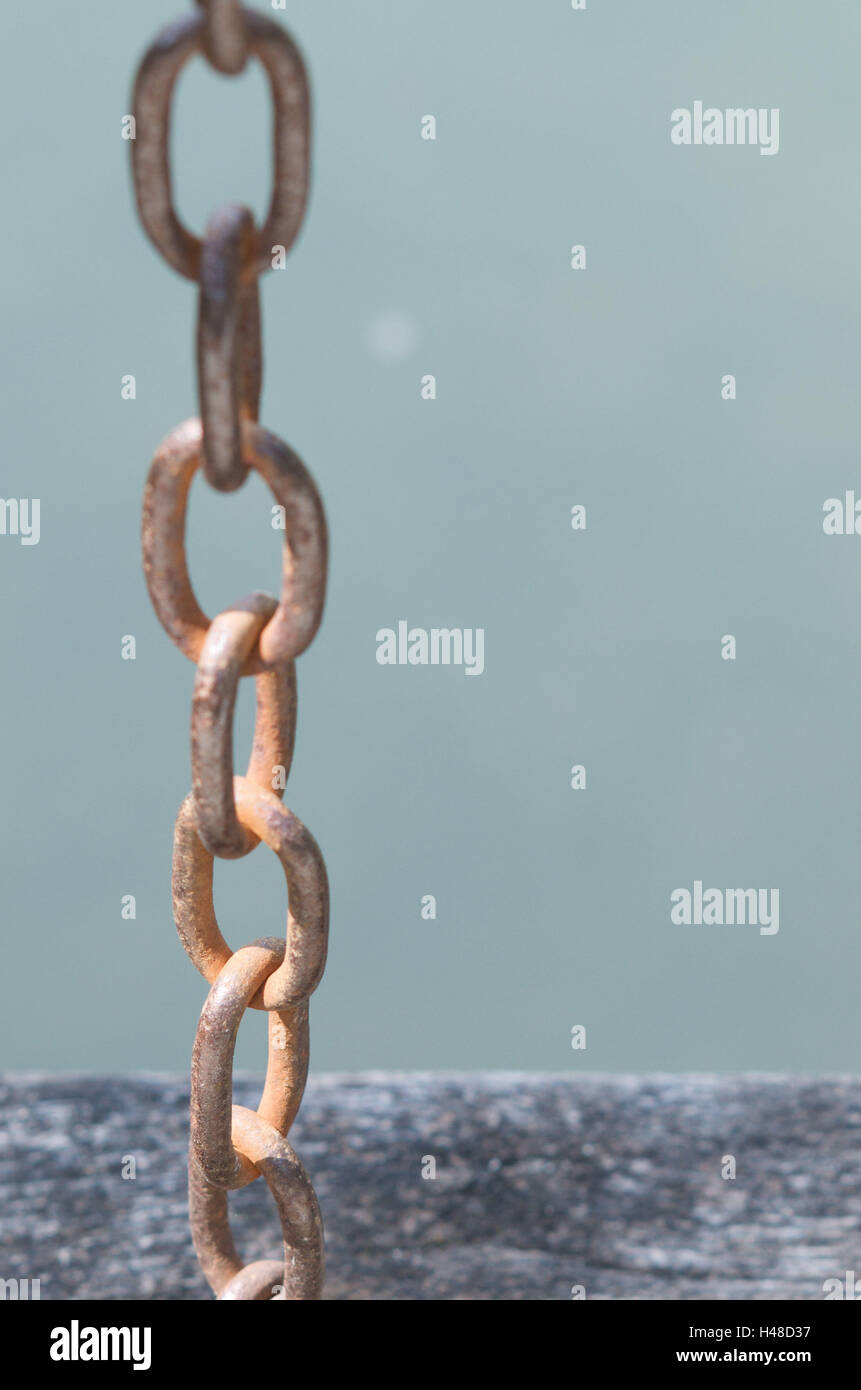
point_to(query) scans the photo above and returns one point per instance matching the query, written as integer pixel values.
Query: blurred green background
(555, 387)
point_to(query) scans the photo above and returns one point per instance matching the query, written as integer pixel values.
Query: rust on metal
(307, 931)
(212, 1064)
(225, 38)
(151, 106)
(230, 639)
(300, 1276)
(303, 588)
(229, 363)
(225, 815)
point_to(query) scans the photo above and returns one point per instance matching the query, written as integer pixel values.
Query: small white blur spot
(392, 336)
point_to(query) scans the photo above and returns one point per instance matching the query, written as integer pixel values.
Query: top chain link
(153, 92)
(224, 815)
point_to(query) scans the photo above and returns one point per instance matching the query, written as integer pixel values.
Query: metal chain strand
(225, 815)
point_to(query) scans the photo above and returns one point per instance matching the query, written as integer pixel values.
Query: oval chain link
(230, 639)
(151, 105)
(262, 813)
(224, 815)
(303, 589)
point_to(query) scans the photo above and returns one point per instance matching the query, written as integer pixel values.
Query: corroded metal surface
(230, 639)
(229, 358)
(225, 38)
(153, 92)
(300, 1275)
(303, 588)
(307, 895)
(212, 1146)
(224, 815)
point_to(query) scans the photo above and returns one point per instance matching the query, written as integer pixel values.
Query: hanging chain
(260, 636)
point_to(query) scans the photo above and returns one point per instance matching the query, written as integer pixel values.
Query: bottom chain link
(301, 1276)
(212, 1064)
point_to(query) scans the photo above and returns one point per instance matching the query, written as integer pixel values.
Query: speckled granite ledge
(543, 1182)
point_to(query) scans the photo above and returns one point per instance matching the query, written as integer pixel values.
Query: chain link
(224, 815)
(231, 636)
(229, 359)
(151, 104)
(297, 617)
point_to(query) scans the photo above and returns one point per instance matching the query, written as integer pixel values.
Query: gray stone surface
(543, 1182)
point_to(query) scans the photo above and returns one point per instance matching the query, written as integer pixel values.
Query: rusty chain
(223, 815)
